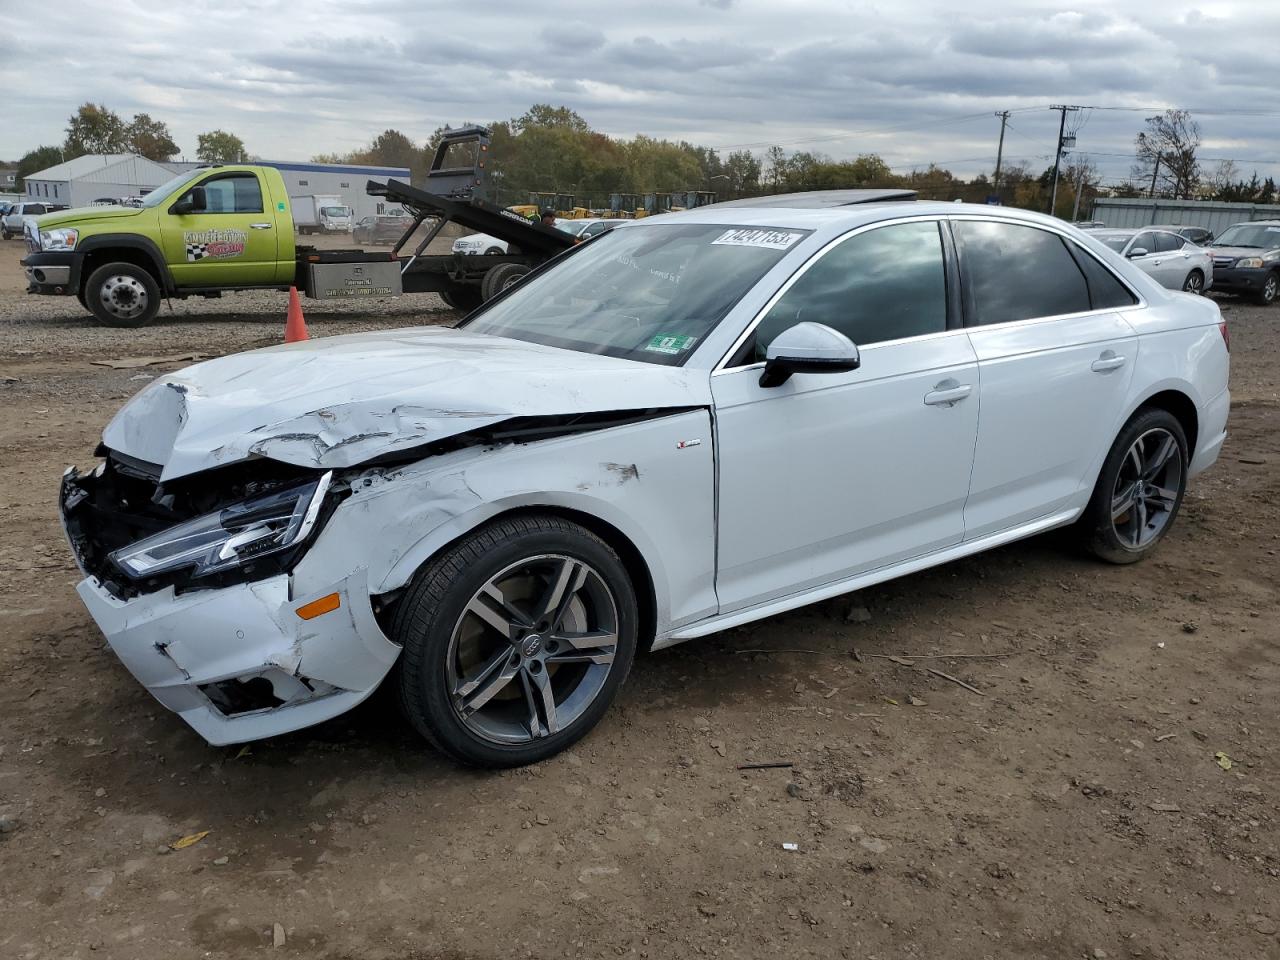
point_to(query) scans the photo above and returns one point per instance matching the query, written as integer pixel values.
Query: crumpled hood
(340, 401)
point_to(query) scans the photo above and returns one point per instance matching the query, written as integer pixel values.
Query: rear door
(231, 242)
(1055, 361)
(1170, 264)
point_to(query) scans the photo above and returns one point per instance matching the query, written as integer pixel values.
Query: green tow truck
(230, 227)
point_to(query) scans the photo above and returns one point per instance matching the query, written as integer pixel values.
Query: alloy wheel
(1147, 488)
(1194, 283)
(123, 296)
(1270, 288)
(532, 649)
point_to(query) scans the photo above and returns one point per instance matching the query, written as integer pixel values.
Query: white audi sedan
(682, 425)
(1171, 260)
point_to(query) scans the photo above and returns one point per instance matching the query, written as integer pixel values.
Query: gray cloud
(914, 82)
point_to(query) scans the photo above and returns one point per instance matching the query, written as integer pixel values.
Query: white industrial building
(79, 182)
(341, 180)
(85, 179)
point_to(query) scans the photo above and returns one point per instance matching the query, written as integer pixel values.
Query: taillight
(1226, 334)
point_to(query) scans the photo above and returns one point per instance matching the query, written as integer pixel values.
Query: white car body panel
(737, 501)
(479, 243)
(813, 437)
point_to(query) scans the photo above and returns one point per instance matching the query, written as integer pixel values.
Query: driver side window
(236, 193)
(884, 284)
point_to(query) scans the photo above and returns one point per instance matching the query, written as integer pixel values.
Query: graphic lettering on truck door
(214, 244)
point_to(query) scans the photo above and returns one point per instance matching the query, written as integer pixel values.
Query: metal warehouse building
(80, 181)
(1213, 215)
(342, 180)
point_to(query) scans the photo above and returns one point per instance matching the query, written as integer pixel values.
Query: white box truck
(320, 214)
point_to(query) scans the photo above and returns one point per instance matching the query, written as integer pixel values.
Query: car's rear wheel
(515, 641)
(1270, 291)
(122, 295)
(1139, 490)
(1194, 282)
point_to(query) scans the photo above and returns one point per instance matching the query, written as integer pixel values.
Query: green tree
(41, 158)
(545, 115)
(218, 146)
(94, 129)
(150, 138)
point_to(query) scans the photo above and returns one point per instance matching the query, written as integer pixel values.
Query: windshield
(1115, 241)
(649, 293)
(161, 193)
(335, 211)
(1249, 235)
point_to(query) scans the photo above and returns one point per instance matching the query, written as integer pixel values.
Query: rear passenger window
(1016, 272)
(1167, 243)
(885, 284)
(1105, 291)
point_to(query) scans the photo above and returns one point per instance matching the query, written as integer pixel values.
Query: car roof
(819, 199)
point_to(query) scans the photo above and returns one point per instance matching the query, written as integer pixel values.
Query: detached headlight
(234, 535)
(1255, 262)
(60, 238)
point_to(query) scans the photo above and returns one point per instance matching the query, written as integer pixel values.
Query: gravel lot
(1075, 808)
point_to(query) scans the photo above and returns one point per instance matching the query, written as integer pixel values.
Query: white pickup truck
(321, 214)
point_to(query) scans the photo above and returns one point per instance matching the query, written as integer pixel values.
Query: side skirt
(772, 607)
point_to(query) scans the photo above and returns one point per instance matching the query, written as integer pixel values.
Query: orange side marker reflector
(316, 608)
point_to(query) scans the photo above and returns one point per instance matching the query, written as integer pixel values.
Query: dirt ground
(1074, 806)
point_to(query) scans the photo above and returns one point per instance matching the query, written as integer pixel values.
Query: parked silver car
(1171, 260)
(11, 225)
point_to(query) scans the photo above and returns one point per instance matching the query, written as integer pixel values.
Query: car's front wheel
(1270, 291)
(516, 640)
(1194, 282)
(1139, 490)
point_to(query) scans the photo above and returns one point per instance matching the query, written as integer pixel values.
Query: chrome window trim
(722, 365)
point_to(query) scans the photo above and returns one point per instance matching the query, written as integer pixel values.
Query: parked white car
(479, 244)
(14, 220)
(689, 424)
(1174, 261)
(482, 243)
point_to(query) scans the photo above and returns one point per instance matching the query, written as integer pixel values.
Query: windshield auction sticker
(214, 244)
(667, 343)
(755, 237)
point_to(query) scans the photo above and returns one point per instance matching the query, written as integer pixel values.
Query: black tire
(436, 606)
(7, 235)
(122, 295)
(1194, 282)
(1270, 291)
(500, 277)
(463, 297)
(494, 252)
(1150, 517)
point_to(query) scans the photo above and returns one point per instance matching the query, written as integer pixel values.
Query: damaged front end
(190, 583)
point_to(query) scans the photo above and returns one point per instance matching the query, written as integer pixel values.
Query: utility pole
(1004, 119)
(1057, 156)
(1075, 209)
(1155, 173)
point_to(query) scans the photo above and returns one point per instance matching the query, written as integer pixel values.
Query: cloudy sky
(915, 81)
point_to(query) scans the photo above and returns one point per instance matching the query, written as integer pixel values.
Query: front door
(232, 242)
(1055, 362)
(830, 475)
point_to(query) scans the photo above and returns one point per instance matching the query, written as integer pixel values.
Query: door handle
(260, 226)
(948, 393)
(1110, 360)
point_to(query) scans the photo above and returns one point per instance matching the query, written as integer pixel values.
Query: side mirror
(194, 202)
(1137, 252)
(808, 347)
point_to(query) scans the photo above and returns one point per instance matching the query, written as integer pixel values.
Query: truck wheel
(122, 295)
(462, 297)
(501, 277)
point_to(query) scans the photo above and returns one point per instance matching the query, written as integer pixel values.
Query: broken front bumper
(238, 663)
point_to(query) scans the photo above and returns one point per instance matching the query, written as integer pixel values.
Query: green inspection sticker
(665, 343)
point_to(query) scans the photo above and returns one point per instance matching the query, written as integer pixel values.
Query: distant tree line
(93, 128)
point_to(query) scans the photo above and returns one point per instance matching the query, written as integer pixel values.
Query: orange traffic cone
(295, 327)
